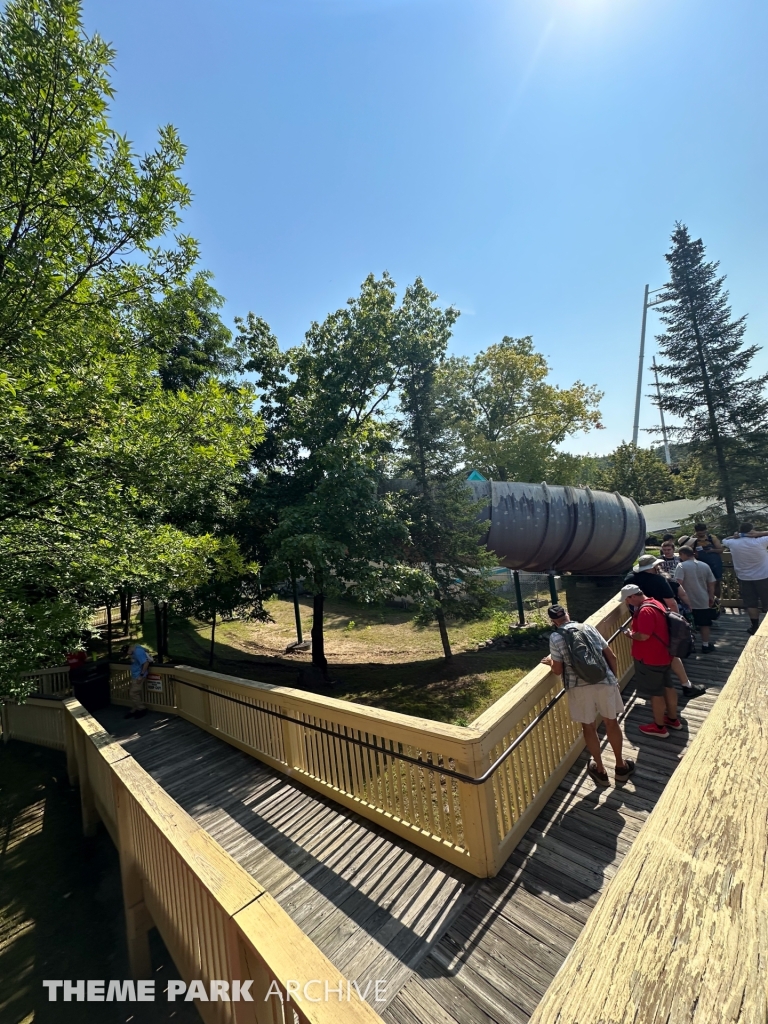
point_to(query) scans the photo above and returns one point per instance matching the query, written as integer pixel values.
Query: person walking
(699, 582)
(587, 700)
(750, 563)
(141, 661)
(708, 549)
(650, 652)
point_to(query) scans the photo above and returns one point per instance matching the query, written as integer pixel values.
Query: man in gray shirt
(698, 581)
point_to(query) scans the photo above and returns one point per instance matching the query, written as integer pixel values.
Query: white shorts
(585, 703)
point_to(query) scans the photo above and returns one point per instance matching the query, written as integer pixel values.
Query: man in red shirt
(650, 651)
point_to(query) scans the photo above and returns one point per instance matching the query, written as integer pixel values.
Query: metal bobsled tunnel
(541, 527)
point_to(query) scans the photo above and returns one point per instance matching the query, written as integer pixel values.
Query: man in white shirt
(698, 581)
(750, 562)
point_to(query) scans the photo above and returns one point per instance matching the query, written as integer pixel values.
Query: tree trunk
(318, 638)
(109, 625)
(141, 609)
(213, 638)
(296, 610)
(123, 613)
(128, 604)
(158, 632)
(722, 466)
(440, 616)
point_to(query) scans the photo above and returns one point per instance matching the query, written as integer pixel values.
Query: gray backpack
(586, 657)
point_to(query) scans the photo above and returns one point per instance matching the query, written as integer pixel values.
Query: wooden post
(287, 730)
(243, 1012)
(137, 918)
(165, 630)
(87, 802)
(158, 632)
(213, 638)
(109, 625)
(69, 738)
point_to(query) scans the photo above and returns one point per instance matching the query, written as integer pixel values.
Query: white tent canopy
(665, 515)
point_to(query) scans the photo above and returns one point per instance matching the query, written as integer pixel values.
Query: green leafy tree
(186, 329)
(705, 369)
(342, 538)
(638, 473)
(77, 203)
(445, 529)
(315, 509)
(509, 420)
(229, 585)
(95, 454)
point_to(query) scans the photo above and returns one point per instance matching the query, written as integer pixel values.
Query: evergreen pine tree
(705, 373)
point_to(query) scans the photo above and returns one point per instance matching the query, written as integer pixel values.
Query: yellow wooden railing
(217, 922)
(363, 757)
(680, 933)
(49, 681)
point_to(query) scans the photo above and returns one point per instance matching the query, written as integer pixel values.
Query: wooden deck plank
(549, 886)
(450, 948)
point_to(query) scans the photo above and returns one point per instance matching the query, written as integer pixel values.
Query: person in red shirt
(650, 651)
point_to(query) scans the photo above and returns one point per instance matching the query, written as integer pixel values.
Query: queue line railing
(468, 794)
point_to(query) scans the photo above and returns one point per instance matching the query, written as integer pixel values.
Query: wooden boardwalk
(451, 949)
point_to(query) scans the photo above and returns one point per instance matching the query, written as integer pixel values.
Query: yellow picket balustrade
(218, 923)
(49, 681)
(421, 779)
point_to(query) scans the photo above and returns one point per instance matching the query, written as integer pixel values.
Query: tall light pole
(667, 456)
(647, 303)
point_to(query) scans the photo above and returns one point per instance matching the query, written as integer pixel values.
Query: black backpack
(681, 641)
(586, 657)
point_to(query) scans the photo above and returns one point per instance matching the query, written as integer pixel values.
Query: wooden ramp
(448, 948)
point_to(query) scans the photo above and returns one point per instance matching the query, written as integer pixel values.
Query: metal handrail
(450, 772)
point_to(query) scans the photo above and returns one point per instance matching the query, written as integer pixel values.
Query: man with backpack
(652, 654)
(579, 654)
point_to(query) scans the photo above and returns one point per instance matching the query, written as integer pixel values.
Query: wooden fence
(49, 681)
(38, 720)
(414, 776)
(217, 922)
(99, 616)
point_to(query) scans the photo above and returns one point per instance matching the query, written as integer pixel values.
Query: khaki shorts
(585, 703)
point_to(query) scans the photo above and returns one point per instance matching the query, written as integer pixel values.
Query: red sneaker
(654, 730)
(672, 723)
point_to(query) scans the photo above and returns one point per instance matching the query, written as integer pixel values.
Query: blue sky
(527, 158)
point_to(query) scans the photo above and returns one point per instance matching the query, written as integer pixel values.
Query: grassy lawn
(377, 656)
